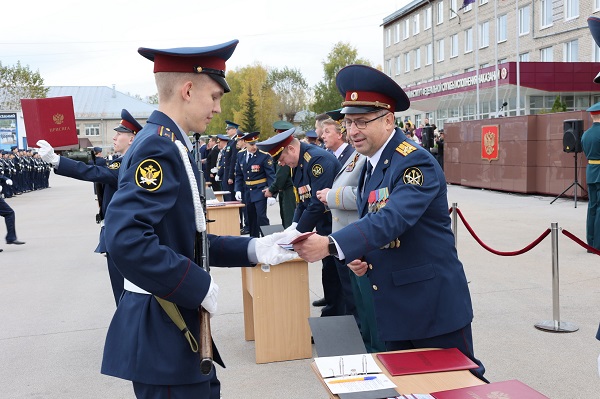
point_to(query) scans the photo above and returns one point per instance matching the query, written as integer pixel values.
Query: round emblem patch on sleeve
(317, 170)
(413, 176)
(148, 175)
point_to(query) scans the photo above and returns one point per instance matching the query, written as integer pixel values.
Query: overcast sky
(75, 43)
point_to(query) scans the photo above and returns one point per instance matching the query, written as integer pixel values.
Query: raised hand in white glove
(9, 182)
(271, 201)
(238, 195)
(47, 152)
(269, 253)
(210, 300)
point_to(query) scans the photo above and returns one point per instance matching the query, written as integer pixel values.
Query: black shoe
(319, 302)
(16, 242)
(244, 231)
(1, 250)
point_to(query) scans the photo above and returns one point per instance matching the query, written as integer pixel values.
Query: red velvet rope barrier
(578, 241)
(501, 253)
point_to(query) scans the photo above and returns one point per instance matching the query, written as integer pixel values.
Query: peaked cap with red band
(274, 145)
(128, 123)
(209, 60)
(594, 109)
(366, 90)
(594, 25)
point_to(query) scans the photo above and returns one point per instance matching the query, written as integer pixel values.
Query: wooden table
(276, 311)
(419, 383)
(226, 219)
(220, 194)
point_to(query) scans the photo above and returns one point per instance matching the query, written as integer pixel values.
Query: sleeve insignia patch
(148, 175)
(114, 165)
(307, 157)
(413, 176)
(270, 161)
(405, 148)
(317, 170)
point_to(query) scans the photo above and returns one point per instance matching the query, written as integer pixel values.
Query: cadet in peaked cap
(231, 125)
(401, 197)
(274, 145)
(590, 144)
(282, 126)
(336, 114)
(311, 137)
(150, 227)
(128, 123)
(222, 137)
(594, 25)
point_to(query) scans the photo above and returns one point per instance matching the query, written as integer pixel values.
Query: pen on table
(353, 379)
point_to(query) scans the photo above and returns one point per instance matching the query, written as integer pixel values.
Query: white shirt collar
(340, 149)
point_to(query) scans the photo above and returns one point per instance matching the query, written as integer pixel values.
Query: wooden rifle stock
(201, 259)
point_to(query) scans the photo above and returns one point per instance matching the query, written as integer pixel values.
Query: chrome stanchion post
(555, 325)
(455, 223)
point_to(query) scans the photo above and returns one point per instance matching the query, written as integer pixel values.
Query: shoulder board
(264, 152)
(242, 150)
(166, 132)
(307, 156)
(405, 148)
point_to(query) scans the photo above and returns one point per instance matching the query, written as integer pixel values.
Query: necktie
(368, 174)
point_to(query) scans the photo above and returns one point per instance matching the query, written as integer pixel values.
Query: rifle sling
(173, 312)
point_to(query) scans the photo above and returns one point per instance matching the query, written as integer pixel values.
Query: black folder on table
(270, 229)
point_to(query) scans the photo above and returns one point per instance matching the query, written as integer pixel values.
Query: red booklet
(504, 389)
(428, 361)
(51, 119)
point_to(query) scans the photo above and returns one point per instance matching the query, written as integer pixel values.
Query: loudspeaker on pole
(572, 132)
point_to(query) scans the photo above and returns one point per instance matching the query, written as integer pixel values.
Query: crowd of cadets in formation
(26, 170)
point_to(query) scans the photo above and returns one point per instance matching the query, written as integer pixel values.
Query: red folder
(428, 361)
(505, 389)
(51, 119)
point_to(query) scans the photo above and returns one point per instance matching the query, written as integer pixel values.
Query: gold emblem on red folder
(58, 118)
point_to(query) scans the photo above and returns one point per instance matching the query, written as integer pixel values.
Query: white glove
(9, 182)
(0, 189)
(214, 170)
(210, 300)
(47, 152)
(292, 226)
(271, 201)
(238, 195)
(287, 236)
(269, 253)
(217, 178)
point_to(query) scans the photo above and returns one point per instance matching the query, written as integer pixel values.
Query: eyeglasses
(359, 123)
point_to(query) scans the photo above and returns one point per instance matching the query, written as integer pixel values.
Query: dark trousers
(332, 289)
(205, 390)
(346, 288)
(461, 339)
(257, 216)
(287, 206)
(9, 218)
(593, 216)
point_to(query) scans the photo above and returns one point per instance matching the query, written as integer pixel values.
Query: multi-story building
(492, 57)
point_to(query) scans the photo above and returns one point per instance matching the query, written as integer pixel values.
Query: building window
(502, 61)
(469, 40)
(454, 46)
(440, 11)
(468, 7)
(524, 57)
(388, 37)
(484, 34)
(415, 24)
(597, 5)
(501, 28)
(571, 9)
(93, 129)
(440, 50)
(428, 53)
(453, 8)
(418, 58)
(388, 67)
(571, 53)
(482, 2)
(398, 63)
(406, 28)
(406, 62)
(524, 20)
(397, 32)
(427, 18)
(546, 13)
(547, 54)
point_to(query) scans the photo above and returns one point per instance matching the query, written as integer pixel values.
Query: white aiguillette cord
(198, 211)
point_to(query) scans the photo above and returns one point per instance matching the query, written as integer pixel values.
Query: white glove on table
(271, 201)
(47, 152)
(238, 196)
(210, 300)
(269, 253)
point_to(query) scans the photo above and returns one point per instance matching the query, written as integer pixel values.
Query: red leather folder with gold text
(51, 119)
(512, 389)
(427, 361)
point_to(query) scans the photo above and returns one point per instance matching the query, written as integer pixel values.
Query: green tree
(17, 82)
(558, 105)
(249, 113)
(291, 89)
(153, 99)
(326, 94)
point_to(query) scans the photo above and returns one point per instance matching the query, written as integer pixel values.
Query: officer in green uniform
(590, 143)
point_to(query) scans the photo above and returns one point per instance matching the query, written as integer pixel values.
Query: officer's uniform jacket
(108, 176)
(341, 199)
(346, 152)
(315, 171)
(230, 155)
(590, 143)
(150, 236)
(254, 175)
(419, 286)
